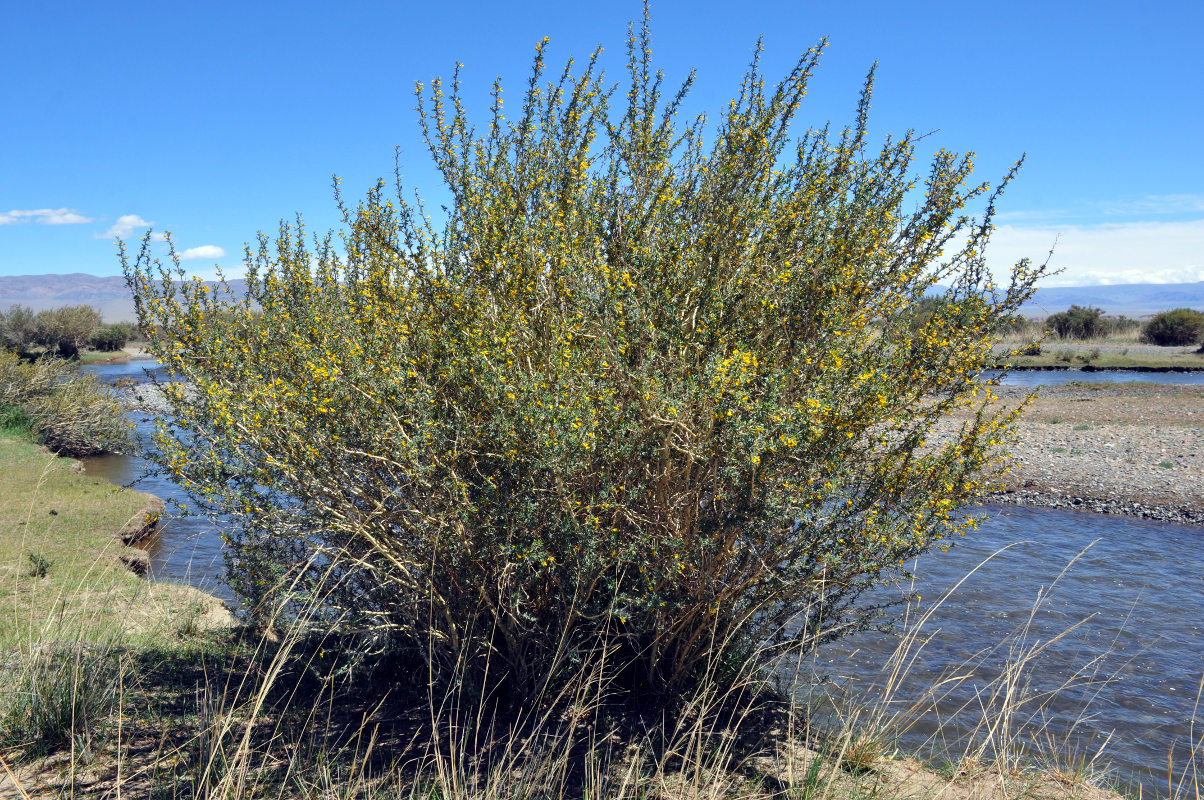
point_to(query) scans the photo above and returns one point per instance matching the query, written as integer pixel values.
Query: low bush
(70, 412)
(39, 565)
(18, 328)
(1121, 325)
(112, 337)
(66, 329)
(1078, 322)
(1177, 328)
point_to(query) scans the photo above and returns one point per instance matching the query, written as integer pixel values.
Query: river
(1126, 679)
(1060, 377)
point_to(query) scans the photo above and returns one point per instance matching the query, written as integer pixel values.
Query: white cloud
(204, 251)
(43, 216)
(1128, 252)
(125, 225)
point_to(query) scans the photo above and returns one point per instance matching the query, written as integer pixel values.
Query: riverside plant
(70, 412)
(649, 394)
(277, 717)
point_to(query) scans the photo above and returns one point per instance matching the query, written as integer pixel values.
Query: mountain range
(110, 296)
(1131, 299)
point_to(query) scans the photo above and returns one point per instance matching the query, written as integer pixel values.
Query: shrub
(649, 399)
(18, 328)
(39, 565)
(71, 413)
(1176, 328)
(64, 330)
(1119, 326)
(1078, 322)
(112, 337)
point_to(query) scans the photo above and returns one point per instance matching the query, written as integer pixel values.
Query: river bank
(69, 556)
(142, 656)
(789, 768)
(1109, 353)
(1114, 448)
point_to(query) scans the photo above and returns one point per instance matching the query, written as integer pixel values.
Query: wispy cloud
(43, 216)
(125, 225)
(1155, 205)
(1033, 215)
(1127, 252)
(204, 251)
(1137, 209)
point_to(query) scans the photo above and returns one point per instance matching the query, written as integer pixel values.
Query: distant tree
(112, 337)
(1078, 322)
(1120, 325)
(18, 328)
(64, 330)
(1177, 328)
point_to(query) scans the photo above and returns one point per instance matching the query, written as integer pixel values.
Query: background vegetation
(1179, 327)
(61, 331)
(70, 412)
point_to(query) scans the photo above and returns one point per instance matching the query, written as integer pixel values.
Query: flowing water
(1124, 625)
(187, 549)
(1125, 680)
(1060, 377)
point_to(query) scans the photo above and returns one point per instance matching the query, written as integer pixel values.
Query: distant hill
(108, 295)
(1130, 299)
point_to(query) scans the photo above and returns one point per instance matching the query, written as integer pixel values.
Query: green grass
(1078, 354)
(112, 357)
(61, 574)
(79, 633)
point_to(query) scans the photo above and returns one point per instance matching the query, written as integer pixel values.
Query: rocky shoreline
(1045, 498)
(1118, 448)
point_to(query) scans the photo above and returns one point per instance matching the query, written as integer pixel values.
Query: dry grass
(1123, 351)
(278, 716)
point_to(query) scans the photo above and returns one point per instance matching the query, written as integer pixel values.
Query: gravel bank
(1115, 448)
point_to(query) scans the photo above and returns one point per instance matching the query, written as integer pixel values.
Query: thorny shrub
(645, 395)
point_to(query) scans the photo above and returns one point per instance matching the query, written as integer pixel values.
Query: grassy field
(103, 357)
(1103, 353)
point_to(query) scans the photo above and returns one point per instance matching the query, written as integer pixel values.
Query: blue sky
(215, 120)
